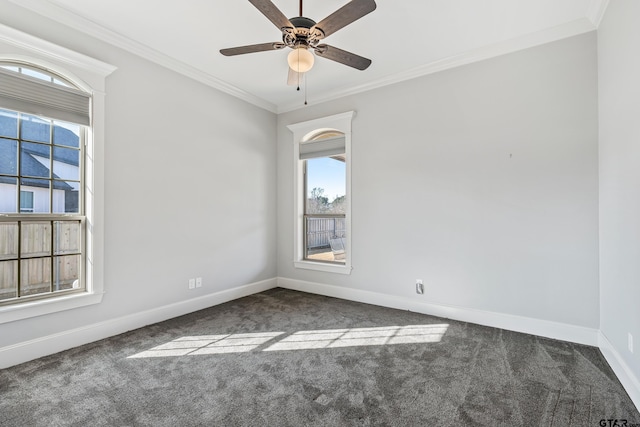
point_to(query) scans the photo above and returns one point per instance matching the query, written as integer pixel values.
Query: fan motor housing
(303, 33)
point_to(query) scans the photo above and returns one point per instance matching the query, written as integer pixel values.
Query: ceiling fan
(303, 34)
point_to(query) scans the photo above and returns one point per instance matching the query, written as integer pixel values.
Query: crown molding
(53, 52)
(55, 12)
(596, 11)
(573, 28)
(51, 10)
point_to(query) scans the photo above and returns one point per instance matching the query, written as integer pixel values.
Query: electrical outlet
(419, 287)
(630, 342)
(198, 282)
(192, 283)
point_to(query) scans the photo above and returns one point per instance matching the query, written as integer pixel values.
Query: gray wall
(481, 180)
(189, 187)
(619, 87)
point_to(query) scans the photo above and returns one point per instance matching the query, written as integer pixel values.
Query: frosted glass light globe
(300, 60)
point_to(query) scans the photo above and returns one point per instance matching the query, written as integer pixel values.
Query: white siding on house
(8, 200)
(40, 199)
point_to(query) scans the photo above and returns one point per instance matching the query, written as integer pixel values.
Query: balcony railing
(325, 238)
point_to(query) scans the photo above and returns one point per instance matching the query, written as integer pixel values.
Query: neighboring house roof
(32, 167)
(61, 136)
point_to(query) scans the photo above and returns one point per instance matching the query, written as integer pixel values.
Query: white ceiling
(404, 39)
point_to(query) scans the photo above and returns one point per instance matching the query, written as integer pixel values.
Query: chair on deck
(337, 247)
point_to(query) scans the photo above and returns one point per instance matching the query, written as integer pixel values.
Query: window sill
(321, 266)
(27, 310)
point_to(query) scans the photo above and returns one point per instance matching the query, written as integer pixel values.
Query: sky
(328, 174)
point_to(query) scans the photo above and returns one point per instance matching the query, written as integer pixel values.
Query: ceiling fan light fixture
(300, 60)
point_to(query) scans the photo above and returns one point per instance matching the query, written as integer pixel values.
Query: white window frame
(89, 75)
(303, 132)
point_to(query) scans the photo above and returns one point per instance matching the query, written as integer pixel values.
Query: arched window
(323, 157)
(46, 87)
(322, 150)
(44, 119)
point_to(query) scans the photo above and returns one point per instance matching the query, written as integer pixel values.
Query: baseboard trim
(544, 328)
(629, 381)
(50, 344)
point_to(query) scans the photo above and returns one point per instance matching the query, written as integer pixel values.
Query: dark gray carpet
(284, 358)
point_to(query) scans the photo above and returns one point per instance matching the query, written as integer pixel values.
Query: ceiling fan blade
(294, 78)
(272, 13)
(344, 16)
(241, 50)
(342, 56)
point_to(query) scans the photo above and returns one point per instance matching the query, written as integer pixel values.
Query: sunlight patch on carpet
(356, 337)
(209, 344)
(301, 340)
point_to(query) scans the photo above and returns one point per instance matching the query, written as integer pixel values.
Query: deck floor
(323, 254)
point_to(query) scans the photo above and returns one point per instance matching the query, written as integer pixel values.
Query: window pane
(8, 279)
(41, 193)
(66, 237)
(35, 160)
(66, 271)
(67, 134)
(61, 83)
(8, 157)
(8, 123)
(37, 74)
(36, 239)
(325, 238)
(8, 240)
(26, 201)
(66, 197)
(35, 129)
(35, 276)
(326, 186)
(41, 172)
(66, 163)
(8, 194)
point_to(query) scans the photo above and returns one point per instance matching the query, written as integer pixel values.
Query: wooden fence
(38, 268)
(320, 230)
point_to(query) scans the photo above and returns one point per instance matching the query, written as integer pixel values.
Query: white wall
(481, 180)
(189, 187)
(619, 104)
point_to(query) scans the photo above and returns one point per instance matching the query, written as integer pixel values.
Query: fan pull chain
(305, 91)
(298, 52)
